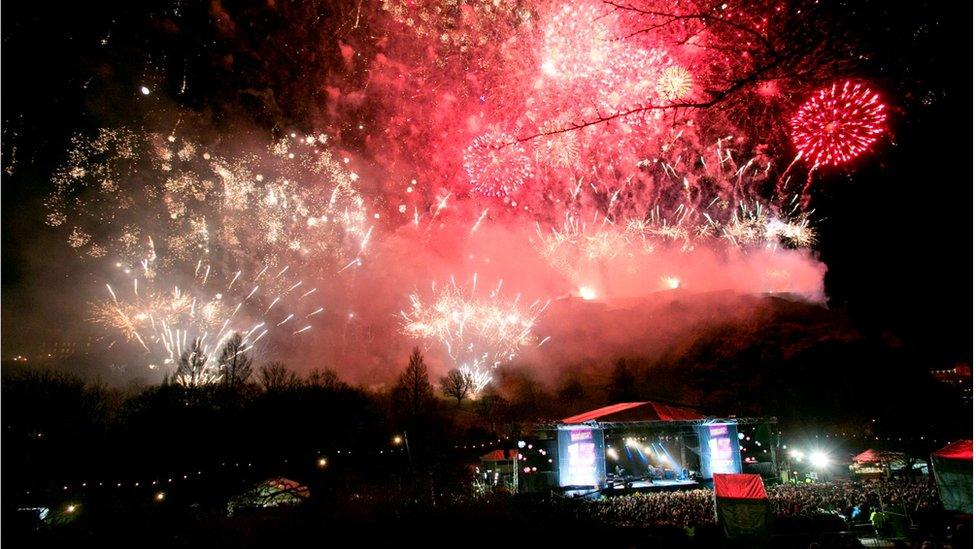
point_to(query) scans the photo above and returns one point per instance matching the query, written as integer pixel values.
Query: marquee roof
(961, 449)
(637, 411)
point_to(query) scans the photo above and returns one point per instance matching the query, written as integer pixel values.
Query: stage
(650, 485)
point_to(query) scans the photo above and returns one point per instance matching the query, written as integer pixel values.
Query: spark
(477, 223)
(287, 318)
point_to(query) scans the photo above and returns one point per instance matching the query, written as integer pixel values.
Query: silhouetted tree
(740, 55)
(413, 392)
(456, 384)
(192, 369)
(527, 396)
(325, 378)
(48, 415)
(490, 406)
(621, 387)
(571, 392)
(275, 376)
(234, 363)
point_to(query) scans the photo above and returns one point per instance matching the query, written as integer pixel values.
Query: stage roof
(874, 456)
(961, 449)
(636, 411)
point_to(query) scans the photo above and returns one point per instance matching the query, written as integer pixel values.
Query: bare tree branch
(787, 48)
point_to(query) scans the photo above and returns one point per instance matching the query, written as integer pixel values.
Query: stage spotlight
(819, 459)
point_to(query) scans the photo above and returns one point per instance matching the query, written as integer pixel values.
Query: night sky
(895, 233)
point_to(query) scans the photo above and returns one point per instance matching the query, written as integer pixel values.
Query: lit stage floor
(653, 485)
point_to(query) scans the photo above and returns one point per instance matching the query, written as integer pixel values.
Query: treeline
(58, 427)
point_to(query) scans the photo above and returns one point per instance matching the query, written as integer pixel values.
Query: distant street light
(397, 440)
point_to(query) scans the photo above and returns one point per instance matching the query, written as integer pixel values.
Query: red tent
(741, 506)
(739, 486)
(954, 475)
(499, 455)
(961, 449)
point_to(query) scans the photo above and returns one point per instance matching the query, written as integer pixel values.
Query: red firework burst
(496, 164)
(837, 124)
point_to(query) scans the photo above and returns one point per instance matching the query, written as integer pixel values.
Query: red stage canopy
(867, 456)
(961, 449)
(601, 412)
(739, 486)
(874, 456)
(674, 413)
(655, 411)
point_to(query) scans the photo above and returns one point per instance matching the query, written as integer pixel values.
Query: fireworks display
(146, 198)
(453, 222)
(571, 149)
(638, 247)
(478, 332)
(838, 124)
(211, 246)
(169, 322)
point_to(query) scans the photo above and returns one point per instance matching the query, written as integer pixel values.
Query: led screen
(581, 458)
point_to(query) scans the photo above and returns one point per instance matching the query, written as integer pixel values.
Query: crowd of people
(685, 508)
(854, 501)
